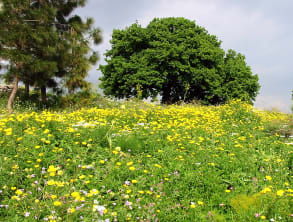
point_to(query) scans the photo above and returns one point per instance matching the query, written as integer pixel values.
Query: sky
(262, 30)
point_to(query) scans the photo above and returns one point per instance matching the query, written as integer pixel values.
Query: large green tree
(40, 39)
(178, 60)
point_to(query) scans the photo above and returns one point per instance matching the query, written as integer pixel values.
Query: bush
(86, 98)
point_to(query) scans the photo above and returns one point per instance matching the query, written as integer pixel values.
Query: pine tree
(14, 40)
(73, 54)
(81, 57)
(42, 42)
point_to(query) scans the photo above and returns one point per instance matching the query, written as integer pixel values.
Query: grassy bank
(146, 163)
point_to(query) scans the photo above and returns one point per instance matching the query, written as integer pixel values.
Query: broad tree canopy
(178, 60)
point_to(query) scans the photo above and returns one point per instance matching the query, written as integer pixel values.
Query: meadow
(146, 163)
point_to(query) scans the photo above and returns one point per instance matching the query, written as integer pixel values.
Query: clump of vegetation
(83, 99)
(145, 162)
(178, 60)
(282, 127)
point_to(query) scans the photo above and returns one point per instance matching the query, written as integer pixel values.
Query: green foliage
(246, 205)
(43, 42)
(78, 61)
(14, 33)
(239, 81)
(85, 98)
(178, 60)
(31, 102)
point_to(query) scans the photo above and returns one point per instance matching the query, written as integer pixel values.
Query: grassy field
(147, 163)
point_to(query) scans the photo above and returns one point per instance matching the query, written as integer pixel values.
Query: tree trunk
(27, 89)
(166, 97)
(12, 95)
(43, 94)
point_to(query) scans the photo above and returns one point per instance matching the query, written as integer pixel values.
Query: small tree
(177, 59)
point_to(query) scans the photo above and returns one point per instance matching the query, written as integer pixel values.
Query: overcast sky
(262, 30)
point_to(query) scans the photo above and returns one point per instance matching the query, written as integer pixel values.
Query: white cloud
(272, 103)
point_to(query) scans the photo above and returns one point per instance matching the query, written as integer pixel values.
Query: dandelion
(52, 170)
(57, 203)
(280, 192)
(199, 202)
(71, 210)
(158, 166)
(266, 190)
(268, 178)
(81, 177)
(192, 205)
(132, 168)
(94, 192)
(51, 182)
(18, 192)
